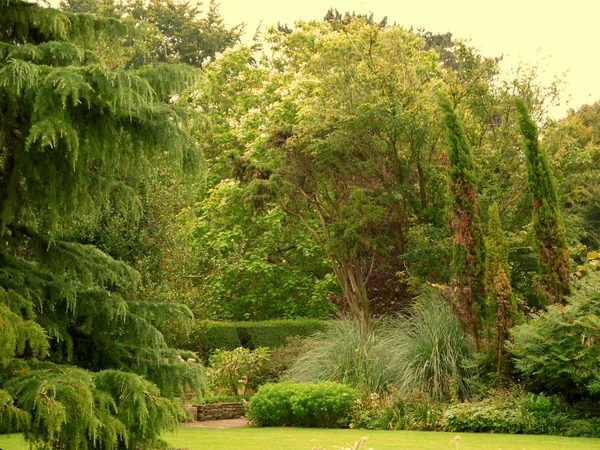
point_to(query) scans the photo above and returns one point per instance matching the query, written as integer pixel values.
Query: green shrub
(280, 361)
(519, 413)
(318, 405)
(398, 412)
(557, 351)
(427, 354)
(231, 371)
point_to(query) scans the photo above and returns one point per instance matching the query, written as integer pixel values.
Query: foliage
(321, 405)
(252, 263)
(233, 371)
(82, 360)
(557, 350)
(424, 354)
(519, 413)
(573, 151)
(430, 353)
(281, 361)
(395, 411)
(276, 333)
(547, 219)
(468, 252)
(79, 409)
(502, 303)
(207, 336)
(347, 154)
(175, 30)
(345, 352)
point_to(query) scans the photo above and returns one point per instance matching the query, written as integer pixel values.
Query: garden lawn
(249, 438)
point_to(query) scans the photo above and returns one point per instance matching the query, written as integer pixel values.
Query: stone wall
(219, 411)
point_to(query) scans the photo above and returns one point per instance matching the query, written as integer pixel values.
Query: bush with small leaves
(316, 405)
(520, 413)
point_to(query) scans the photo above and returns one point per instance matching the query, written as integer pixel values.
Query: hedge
(208, 336)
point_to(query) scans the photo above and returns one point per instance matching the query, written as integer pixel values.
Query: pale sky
(562, 36)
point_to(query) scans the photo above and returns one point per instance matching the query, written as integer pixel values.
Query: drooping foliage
(75, 138)
(548, 226)
(468, 255)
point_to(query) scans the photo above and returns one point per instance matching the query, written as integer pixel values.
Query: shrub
(322, 405)
(232, 371)
(432, 354)
(280, 361)
(517, 413)
(398, 412)
(557, 351)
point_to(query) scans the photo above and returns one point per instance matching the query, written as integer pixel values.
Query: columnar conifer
(553, 282)
(502, 305)
(468, 297)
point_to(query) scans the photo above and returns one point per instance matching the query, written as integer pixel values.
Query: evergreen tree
(468, 296)
(82, 364)
(553, 282)
(501, 299)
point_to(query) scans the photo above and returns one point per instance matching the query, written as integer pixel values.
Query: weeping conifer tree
(468, 251)
(502, 304)
(81, 363)
(553, 283)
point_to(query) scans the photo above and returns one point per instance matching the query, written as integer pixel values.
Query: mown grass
(249, 438)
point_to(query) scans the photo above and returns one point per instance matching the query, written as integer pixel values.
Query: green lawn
(306, 439)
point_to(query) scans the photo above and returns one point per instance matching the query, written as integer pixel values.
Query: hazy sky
(562, 36)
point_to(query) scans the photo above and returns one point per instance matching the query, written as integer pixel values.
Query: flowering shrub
(231, 371)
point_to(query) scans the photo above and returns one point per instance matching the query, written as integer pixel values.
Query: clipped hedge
(208, 336)
(276, 333)
(312, 405)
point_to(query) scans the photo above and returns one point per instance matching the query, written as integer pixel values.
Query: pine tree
(82, 364)
(502, 304)
(553, 282)
(468, 252)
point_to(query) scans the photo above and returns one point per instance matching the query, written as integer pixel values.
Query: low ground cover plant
(322, 405)
(518, 412)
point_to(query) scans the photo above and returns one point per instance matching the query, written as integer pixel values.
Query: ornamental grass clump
(431, 353)
(347, 353)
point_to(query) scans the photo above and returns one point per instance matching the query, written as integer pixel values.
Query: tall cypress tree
(553, 283)
(82, 364)
(468, 251)
(502, 304)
